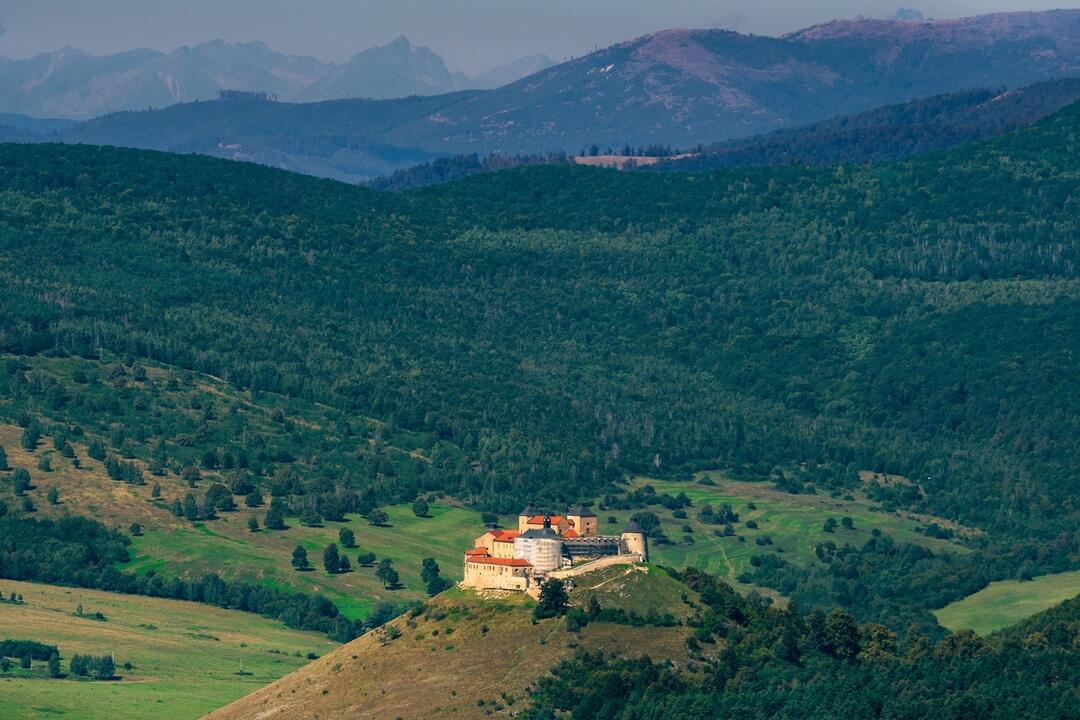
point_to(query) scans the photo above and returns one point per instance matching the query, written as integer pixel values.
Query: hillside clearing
(1006, 602)
(794, 523)
(226, 545)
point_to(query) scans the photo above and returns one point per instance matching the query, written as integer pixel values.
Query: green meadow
(794, 524)
(227, 546)
(186, 658)
(1003, 603)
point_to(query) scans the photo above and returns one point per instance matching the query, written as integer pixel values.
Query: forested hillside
(894, 132)
(563, 326)
(781, 665)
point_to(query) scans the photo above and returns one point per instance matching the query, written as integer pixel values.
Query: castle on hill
(546, 545)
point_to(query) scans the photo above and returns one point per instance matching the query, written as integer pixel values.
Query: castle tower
(584, 519)
(541, 547)
(636, 541)
(523, 517)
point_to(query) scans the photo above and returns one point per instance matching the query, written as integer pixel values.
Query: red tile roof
(510, 562)
(476, 551)
(539, 520)
(571, 534)
(505, 535)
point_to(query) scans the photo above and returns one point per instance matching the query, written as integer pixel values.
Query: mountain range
(892, 132)
(675, 87)
(70, 83)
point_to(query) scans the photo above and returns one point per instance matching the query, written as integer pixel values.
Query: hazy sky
(472, 35)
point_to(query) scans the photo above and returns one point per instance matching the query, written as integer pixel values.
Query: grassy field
(1004, 603)
(185, 656)
(793, 522)
(227, 545)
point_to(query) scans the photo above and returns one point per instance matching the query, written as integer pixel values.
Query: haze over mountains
(676, 87)
(73, 84)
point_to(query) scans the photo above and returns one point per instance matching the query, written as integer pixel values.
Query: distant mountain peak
(908, 15)
(514, 70)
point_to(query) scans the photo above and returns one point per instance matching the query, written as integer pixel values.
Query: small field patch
(1003, 603)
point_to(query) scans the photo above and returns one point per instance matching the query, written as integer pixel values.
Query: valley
(704, 375)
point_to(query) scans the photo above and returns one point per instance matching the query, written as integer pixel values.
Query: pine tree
(191, 508)
(347, 538)
(253, 524)
(54, 665)
(3, 459)
(331, 558)
(430, 575)
(387, 574)
(300, 558)
(553, 600)
(275, 519)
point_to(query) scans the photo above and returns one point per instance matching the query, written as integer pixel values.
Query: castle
(546, 546)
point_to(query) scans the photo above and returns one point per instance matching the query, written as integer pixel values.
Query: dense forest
(893, 132)
(561, 327)
(444, 170)
(767, 663)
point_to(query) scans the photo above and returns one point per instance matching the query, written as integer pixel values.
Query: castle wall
(592, 565)
(495, 577)
(502, 549)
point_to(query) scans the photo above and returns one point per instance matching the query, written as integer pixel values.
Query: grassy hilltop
(468, 655)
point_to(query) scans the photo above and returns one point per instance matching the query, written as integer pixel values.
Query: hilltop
(466, 656)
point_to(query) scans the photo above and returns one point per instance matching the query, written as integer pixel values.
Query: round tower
(636, 541)
(542, 547)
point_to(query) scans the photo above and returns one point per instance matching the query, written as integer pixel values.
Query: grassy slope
(1006, 602)
(489, 656)
(184, 655)
(227, 545)
(794, 522)
(172, 547)
(176, 547)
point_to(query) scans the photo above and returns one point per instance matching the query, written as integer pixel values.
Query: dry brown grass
(88, 490)
(493, 652)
